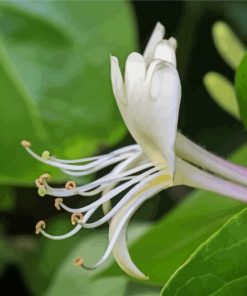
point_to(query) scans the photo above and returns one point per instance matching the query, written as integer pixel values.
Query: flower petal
(165, 51)
(120, 250)
(135, 73)
(165, 91)
(157, 35)
(117, 80)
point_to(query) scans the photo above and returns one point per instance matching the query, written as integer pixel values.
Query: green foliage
(73, 280)
(218, 264)
(54, 78)
(223, 92)
(241, 88)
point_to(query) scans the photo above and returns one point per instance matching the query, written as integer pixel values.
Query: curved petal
(151, 114)
(117, 80)
(120, 250)
(165, 91)
(157, 35)
(135, 73)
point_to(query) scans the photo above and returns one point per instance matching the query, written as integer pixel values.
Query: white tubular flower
(148, 99)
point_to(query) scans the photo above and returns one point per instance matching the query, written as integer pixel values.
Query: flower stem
(197, 155)
(187, 174)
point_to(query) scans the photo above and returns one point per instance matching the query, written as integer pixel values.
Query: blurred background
(56, 92)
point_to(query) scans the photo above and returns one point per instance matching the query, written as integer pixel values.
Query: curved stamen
(97, 168)
(129, 148)
(63, 236)
(83, 190)
(134, 205)
(111, 158)
(122, 202)
(112, 193)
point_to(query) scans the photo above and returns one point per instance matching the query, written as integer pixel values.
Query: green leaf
(71, 280)
(170, 242)
(222, 255)
(228, 44)
(223, 92)
(241, 88)
(57, 54)
(19, 118)
(50, 263)
(235, 287)
(200, 285)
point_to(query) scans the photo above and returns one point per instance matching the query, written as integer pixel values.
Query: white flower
(148, 100)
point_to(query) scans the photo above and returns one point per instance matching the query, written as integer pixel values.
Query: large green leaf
(57, 54)
(222, 256)
(19, 118)
(171, 241)
(241, 88)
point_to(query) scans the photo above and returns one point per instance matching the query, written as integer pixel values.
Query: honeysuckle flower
(148, 99)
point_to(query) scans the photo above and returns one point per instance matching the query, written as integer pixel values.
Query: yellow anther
(78, 262)
(76, 218)
(46, 155)
(58, 202)
(39, 226)
(37, 183)
(70, 185)
(25, 144)
(42, 191)
(44, 177)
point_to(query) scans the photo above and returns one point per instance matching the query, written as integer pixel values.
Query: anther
(42, 191)
(39, 226)
(45, 155)
(76, 218)
(25, 144)
(70, 185)
(58, 202)
(44, 177)
(37, 183)
(78, 262)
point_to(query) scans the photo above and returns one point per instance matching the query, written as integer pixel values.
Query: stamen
(112, 193)
(39, 226)
(43, 178)
(37, 183)
(78, 262)
(46, 155)
(25, 144)
(70, 185)
(109, 178)
(76, 218)
(58, 202)
(129, 211)
(72, 232)
(42, 191)
(137, 188)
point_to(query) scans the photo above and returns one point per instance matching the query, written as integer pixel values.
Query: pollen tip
(78, 261)
(37, 183)
(70, 185)
(25, 144)
(45, 155)
(42, 191)
(39, 226)
(76, 218)
(58, 202)
(43, 178)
